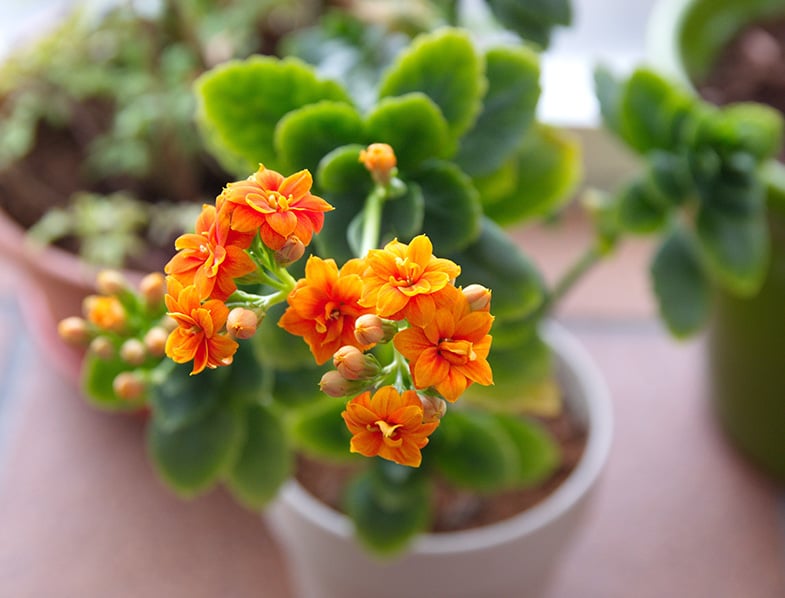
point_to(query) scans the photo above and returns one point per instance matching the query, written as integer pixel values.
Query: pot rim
(575, 361)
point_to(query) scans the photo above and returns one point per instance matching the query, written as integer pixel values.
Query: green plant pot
(746, 348)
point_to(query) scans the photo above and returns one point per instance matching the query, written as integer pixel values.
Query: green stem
(372, 221)
(569, 279)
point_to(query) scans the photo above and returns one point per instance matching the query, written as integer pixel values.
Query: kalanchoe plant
(309, 312)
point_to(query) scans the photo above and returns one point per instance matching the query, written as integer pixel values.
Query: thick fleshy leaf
(241, 102)
(97, 381)
(265, 460)
(293, 388)
(180, 399)
(495, 261)
(642, 209)
(278, 349)
(747, 127)
(319, 430)
(471, 450)
(413, 125)
(452, 207)
(444, 66)
(538, 453)
(680, 284)
(533, 20)
(733, 235)
(608, 89)
(193, 457)
(389, 505)
(304, 136)
(548, 169)
(341, 171)
(507, 111)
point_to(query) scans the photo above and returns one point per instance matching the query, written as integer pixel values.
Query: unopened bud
(335, 385)
(128, 386)
(74, 331)
(102, 347)
(133, 352)
(433, 408)
(379, 159)
(153, 288)
(370, 329)
(168, 323)
(155, 341)
(291, 251)
(110, 282)
(241, 323)
(353, 364)
(105, 312)
(479, 297)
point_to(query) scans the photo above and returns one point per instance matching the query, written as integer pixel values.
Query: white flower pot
(512, 558)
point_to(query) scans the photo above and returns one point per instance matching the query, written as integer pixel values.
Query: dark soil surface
(456, 509)
(750, 68)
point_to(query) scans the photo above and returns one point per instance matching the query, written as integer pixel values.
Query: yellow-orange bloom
(450, 352)
(106, 312)
(198, 335)
(324, 305)
(212, 257)
(277, 207)
(388, 424)
(379, 159)
(405, 281)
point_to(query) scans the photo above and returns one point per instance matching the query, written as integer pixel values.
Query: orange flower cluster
(202, 275)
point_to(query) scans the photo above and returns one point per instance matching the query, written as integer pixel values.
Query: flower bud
(370, 329)
(334, 385)
(241, 323)
(478, 296)
(433, 408)
(102, 347)
(379, 159)
(168, 323)
(353, 364)
(111, 282)
(128, 385)
(153, 288)
(291, 251)
(155, 341)
(133, 352)
(74, 331)
(105, 312)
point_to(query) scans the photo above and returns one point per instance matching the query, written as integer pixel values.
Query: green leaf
(193, 457)
(304, 136)
(642, 209)
(508, 109)
(538, 453)
(444, 66)
(452, 207)
(748, 127)
(341, 171)
(389, 505)
(265, 461)
(471, 450)
(680, 284)
(293, 388)
(533, 20)
(413, 125)
(241, 102)
(319, 430)
(733, 235)
(97, 381)
(549, 168)
(276, 348)
(608, 90)
(497, 263)
(180, 399)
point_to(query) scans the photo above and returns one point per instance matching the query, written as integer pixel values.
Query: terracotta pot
(515, 557)
(52, 285)
(747, 336)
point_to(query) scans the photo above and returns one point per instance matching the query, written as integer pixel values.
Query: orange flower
(276, 206)
(388, 424)
(379, 159)
(451, 351)
(212, 257)
(106, 312)
(198, 336)
(405, 281)
(324, 305)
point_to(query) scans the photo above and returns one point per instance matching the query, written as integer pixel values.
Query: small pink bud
(155, 341)
(291, 251)
(433, 408)
(242, 323)
(133, 351)
(102, 347)
(111, 282)
(128, 385)
(334, 385)
(353, 364)
(370, 329)
(74, 331)
(153, 288)
(478, 296)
